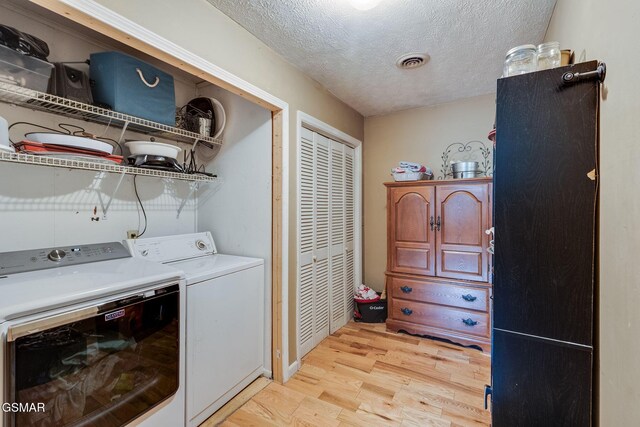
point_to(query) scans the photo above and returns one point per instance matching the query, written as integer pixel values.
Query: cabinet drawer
(453, 319)
(440, 293)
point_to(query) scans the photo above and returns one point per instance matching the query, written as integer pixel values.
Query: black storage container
(372, 312)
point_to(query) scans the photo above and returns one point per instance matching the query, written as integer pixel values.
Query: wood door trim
(277, 307)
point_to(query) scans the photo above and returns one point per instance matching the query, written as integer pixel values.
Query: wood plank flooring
(363, 376)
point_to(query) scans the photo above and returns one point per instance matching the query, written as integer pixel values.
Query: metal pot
(464, 166)
(467, 174)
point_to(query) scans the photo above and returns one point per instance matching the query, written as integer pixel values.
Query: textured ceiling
(352, 53)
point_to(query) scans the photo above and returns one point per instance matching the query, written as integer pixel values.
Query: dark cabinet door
(411, 230)
(539, 382)
(545, 205)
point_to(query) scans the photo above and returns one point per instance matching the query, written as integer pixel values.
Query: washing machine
(90, 336)
(225, 317)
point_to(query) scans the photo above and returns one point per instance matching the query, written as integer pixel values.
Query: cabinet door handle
(406, 311)
(431, 222)
(406, 289)
(469, 322)
(438, 223)
(469, 297)
(487, 392)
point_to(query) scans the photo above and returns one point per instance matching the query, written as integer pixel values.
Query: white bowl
(153, 149)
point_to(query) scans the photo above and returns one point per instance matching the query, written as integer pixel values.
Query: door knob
(438, 223)
(431, 223)
(314, 258)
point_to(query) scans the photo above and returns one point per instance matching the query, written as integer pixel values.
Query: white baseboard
(293, 368)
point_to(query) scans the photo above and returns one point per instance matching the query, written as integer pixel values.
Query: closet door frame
(311, 123)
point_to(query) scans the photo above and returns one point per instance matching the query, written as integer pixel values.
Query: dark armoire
(544, 350)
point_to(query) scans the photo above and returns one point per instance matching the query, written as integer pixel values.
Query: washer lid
(38, 291)
(197, 270)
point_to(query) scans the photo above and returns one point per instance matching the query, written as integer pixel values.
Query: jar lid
(548, 45)
(519, 48)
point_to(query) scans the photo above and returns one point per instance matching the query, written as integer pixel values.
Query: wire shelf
(41, 101)
(69, 163)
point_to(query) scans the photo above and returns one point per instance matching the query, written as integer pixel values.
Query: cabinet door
(462, 216)
(411, 237)
(546, 207)
(314, 239)
(539, 382)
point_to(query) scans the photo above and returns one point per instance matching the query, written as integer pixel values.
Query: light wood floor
(363, 376)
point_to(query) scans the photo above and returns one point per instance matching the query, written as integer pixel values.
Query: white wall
(45, 207)
(42, 206)
(608, 31)
(238, 211)
(419, 135)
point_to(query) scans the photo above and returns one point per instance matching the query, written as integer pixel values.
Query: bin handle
(154, 84)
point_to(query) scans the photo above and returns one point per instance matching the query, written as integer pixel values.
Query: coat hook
(599, 73)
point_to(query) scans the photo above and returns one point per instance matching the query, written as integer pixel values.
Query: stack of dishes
(68, 146)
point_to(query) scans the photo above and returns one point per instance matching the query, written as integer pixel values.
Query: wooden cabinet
(437, 259)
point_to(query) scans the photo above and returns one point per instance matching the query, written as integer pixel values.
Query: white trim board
(120, 23)
(309, 122)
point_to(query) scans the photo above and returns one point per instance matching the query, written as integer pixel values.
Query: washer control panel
(40, 259)
(173, 248)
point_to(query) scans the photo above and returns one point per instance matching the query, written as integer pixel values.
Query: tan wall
(608, 31)
(419, 135)
(204, 30)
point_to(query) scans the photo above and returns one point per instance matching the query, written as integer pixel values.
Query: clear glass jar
(520, 60)
(549, 55)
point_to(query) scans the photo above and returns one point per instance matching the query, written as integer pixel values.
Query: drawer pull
(406, 289)
(469, 297)
(406, 311)
(469, 322)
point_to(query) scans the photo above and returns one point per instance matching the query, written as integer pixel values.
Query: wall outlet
(132, 234)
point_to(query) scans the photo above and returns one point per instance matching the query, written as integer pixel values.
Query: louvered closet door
(327, 229)
(314, 239)
(349, 189)
(338, 209)
(321, 294)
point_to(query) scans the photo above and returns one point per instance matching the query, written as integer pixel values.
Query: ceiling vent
(412, 60)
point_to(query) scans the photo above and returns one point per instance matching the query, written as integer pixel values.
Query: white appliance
(225, 317)
(90, 336)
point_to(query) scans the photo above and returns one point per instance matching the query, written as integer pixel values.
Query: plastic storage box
(131, 86)
(23, 70)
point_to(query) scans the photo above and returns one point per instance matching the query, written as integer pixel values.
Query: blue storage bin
(133, 87)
